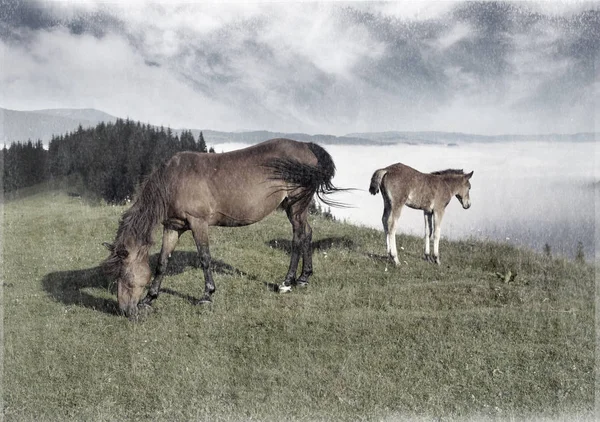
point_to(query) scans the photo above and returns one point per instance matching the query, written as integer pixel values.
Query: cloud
(316, 67)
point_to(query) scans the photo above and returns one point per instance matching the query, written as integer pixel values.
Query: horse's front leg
(200, 233)
(169, 241)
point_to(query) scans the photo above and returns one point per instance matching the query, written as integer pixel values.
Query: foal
(402, 185)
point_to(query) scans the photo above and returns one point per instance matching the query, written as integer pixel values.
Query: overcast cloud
(326, 67)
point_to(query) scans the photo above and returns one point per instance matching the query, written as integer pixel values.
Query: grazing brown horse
(193, 191)
(402, 185)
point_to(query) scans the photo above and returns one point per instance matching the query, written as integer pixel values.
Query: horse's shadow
(326, 244)
(87, 287)
(76, 288)
(319, 245)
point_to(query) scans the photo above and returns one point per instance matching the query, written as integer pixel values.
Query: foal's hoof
(301, 284)
(432, 258)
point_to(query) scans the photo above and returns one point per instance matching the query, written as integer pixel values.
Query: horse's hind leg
(200, 232)
(301, 244)
(307, 268)
(169, 241)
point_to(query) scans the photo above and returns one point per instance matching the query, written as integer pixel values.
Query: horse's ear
(469, 175)
(109, 246)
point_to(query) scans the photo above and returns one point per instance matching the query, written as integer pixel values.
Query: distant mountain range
(43, 124)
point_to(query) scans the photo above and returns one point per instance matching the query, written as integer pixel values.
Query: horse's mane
(448, 172)
(138, 222)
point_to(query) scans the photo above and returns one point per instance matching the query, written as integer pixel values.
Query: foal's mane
(448, 172)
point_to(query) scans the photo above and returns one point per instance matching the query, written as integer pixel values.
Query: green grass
(365, 341)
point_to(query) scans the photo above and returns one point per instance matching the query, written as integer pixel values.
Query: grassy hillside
(365, 341)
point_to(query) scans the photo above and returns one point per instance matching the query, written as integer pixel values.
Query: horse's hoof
(283, 288)
(144, 306)
(301, 284)
(139, 315)
(203, 300)
(147, 301)
(143, 310)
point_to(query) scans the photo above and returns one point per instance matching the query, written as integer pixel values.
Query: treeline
(109, 160)
(25, 164)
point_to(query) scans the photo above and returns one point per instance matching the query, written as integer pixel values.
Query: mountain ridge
(21, 126)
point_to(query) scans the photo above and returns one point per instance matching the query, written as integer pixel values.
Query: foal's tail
(376, 181)
(314, 179)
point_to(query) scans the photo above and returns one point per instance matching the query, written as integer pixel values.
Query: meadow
(494, 333)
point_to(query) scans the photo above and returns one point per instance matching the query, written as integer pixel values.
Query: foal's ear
(469, 175)
(108, 246)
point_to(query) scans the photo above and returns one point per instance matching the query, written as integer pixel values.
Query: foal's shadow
(86, 287)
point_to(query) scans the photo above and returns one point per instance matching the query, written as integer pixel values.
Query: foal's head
(462, 193)
(130, 268)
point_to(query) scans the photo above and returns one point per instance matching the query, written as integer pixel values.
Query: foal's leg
(169, 241)
(437, 223)
(297, 214)
(428, 217)
(385, 219)
(200, 232)
(392, 222)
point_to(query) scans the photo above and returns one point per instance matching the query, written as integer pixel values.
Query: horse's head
(130, 268)
(463, 191)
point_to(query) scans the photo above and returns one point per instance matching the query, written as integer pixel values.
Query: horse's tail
(314, 179)
(376, 181)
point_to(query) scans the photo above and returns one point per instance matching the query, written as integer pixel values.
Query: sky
(316, 67)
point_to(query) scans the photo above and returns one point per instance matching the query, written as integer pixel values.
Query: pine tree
(201, 145)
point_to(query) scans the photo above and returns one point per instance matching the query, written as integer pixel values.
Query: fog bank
(528, 193)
